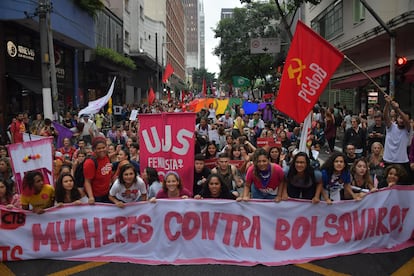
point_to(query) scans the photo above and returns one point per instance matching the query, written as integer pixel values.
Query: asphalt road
(396, 263)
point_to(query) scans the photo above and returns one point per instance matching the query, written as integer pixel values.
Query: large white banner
(212, 231)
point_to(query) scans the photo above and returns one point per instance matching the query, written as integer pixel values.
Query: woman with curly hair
(393, 175)
(36, 193)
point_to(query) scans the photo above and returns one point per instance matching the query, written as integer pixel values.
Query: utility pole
(43, 11)
(392, 36)
(52, 67)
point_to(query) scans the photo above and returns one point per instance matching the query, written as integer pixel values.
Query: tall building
(202, 36)
(192, 34)
(194, 17)
(226, 13)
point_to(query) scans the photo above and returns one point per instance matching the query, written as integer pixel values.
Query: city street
(398, 264)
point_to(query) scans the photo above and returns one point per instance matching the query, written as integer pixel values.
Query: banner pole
(365, 74)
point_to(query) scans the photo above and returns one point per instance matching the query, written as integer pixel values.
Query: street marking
(320, 270)
(77, 269)
(406, 269)
(5, 271)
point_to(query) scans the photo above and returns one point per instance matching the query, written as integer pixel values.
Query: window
(359, 11)
(126, 38)
(329, 23)
(126, 2)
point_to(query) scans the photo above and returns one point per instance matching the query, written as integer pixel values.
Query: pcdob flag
(309, 65)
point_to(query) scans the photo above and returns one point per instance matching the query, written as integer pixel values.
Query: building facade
(350, 27)
(20, 63)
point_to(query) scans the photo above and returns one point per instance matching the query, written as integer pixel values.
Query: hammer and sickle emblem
(298, 70)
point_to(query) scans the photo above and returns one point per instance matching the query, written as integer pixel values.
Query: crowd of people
(101, 162)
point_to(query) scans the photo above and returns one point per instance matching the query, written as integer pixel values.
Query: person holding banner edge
(264, 180)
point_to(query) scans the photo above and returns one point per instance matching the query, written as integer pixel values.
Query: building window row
(330, 22)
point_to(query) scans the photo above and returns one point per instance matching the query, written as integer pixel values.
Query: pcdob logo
(313, 78)
(297, 71)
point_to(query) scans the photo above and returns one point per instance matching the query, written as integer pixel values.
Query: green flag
(240, 81)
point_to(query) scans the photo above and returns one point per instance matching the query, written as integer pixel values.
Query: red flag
(168, 71)
(204, 88)
(309, 65)
(182, 96)
(151, 96)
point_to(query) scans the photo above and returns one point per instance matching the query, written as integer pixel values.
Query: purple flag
(64, 132)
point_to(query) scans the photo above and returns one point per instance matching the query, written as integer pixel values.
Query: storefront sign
(20, 51)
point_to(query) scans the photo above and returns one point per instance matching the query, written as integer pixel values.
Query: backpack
(79, 175)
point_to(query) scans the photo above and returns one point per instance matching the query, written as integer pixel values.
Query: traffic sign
(264, 45)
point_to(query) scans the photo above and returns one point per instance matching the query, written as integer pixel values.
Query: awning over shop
(34, 85)
(409, 75)
(359, 79)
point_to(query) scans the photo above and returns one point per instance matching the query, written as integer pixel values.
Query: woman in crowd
(361, 182)
(67, 190)
(36, 193)
(129, 187)
(112, 153)
(376, 163)
(319, 135)
(150, 176)
(172, 187)
(276, 156)
(211, 113)
(211, 151)
(284, 139)
(214, 188)
(7, 197)
(336, 177)
(330, 129)
(235, 153)
(393, 175)
(302, 181)
(6, 172)
(263, 179)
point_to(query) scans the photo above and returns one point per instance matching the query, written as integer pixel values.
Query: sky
(212, 10)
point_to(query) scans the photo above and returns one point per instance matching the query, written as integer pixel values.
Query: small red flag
(182, 96)
(204, 87)
(151, 96)
(169, 70)
(309, 65)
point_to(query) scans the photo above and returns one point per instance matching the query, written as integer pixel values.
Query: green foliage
(115, 57)
(290, 5)
(199, 74)
(91, 6)
(252, 21)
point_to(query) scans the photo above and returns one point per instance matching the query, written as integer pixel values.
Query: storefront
(22, 72)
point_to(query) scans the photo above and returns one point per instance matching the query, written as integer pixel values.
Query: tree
(291, 7)
(252, 21)
(199, 74)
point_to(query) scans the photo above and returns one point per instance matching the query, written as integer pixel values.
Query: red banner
(309, 65)
(167, 144)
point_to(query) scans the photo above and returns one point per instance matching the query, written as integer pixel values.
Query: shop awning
(359, 79)
(34, 85)
(409, 75)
